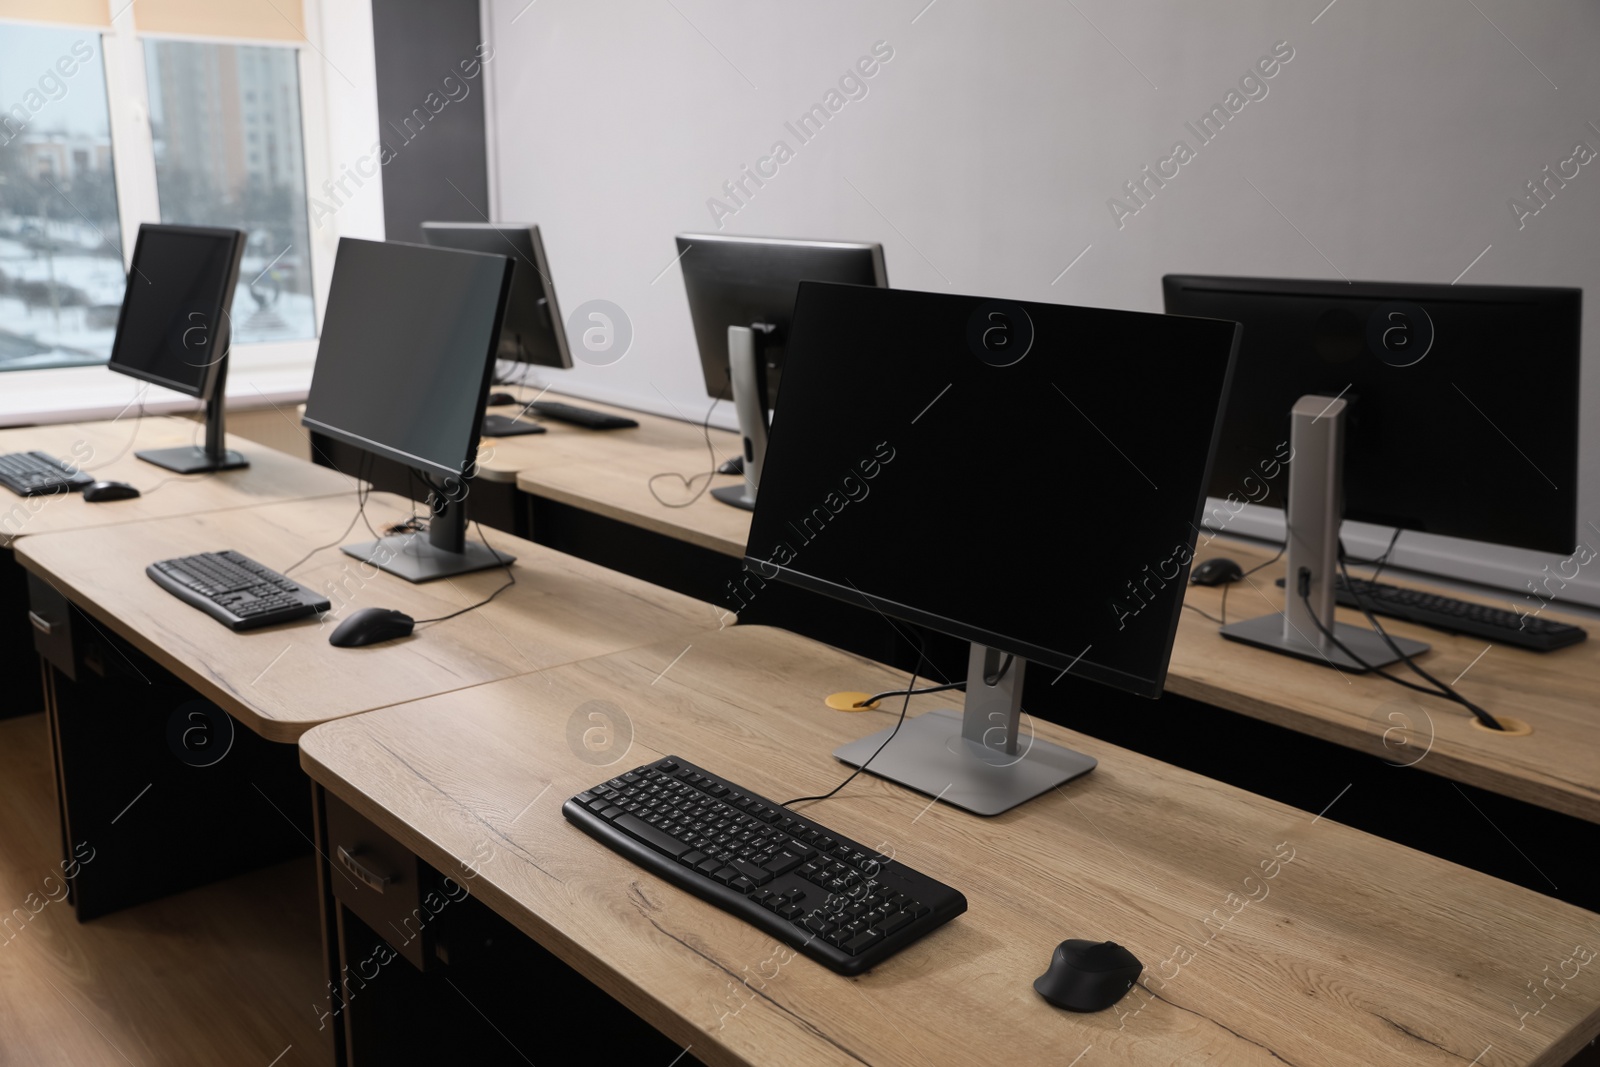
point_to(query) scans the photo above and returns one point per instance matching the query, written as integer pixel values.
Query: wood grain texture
(1355, 951)
(225, 974)
(1557, 693)
(282, 679)
(106, 450)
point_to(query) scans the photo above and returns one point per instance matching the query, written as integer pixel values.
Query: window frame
(260, 373)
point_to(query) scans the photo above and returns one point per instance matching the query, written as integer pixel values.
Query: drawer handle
(40, 623)
(370, 877)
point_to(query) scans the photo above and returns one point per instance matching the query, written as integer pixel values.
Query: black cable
(511, 580)
(1381, 561)
(898, 723)
(362, 489)
(1483, 716)
(1203, 613)
(711, 450)
(1444, 690)
(1281, 550)
(910, 692)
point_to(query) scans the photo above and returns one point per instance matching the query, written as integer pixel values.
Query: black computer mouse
(1219, 571)
(370, 626)
(500, 400)
(97, 492)
(1088, 975)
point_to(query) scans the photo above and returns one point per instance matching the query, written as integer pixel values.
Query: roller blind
(267, 20)
(77, 12)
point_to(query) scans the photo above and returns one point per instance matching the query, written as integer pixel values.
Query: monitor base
(191, 460)
(930, 755)
(411, 557)
(507, 426)
(1267, 632)
(739, 496)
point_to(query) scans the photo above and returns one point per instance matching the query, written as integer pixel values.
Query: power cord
(871, 700)
(705, 428)
(898, 723)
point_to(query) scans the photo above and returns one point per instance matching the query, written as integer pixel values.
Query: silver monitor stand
(750, 404)
(443, 553)
(972, 759)
(1316, 484)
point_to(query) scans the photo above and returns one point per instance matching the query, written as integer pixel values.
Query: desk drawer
(380, 880)
(51, 617)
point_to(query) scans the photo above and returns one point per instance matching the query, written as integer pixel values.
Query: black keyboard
(507, 426)
(1458, 616)
(39, 473)
(236, 590)
(846, 906)
(594, 420)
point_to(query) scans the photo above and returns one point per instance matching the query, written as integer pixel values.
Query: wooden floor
(225, 974)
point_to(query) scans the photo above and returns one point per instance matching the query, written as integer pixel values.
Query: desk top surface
(1557, 766)
(612, 473)
(1268, 935)
(283, 679)
(106, 450)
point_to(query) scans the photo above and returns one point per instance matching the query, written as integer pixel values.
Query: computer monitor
(741, 297)
(1456, 413)
(403, 371)
(532, 331)
(1027, 477)
(174, 329)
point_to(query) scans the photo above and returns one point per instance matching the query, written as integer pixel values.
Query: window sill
(259, 376)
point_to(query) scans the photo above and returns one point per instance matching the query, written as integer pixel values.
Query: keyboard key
(650, 835)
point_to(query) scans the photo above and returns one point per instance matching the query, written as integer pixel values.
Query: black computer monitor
(532, 331)
(403, 371)
(1027, 477)
(1456, 414)
(174, 329)
(741, 298)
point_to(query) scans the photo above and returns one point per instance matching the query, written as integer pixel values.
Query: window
(61, 273)
(202, 96)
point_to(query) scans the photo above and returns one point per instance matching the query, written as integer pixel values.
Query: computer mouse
(500, 400)
(1219, 571)
(98, 492)
(732, 466)
(370, 626)
(1088, 975)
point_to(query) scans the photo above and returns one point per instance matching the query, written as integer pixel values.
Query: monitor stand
(1316, 490)
(215, 456)
(748, 377)
(972, 759)
(445, 552)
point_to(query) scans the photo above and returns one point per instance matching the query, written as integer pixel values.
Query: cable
(1382, 560)
(898, 723)
(511, 580)
(1281, 550)
(362, 489)
(910, 692)
(1203, 613)
(138, 420)
(1488, 720)
(711, 450)
(1445, 690)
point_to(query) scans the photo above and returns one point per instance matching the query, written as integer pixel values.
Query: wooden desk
(1357, 951)
(169, 672)
(1557, 766)
(94, 446)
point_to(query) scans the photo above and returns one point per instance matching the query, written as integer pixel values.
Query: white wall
(985, 152)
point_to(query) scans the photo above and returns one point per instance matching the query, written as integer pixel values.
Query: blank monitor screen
(1046, 507)
(407, 351)
(172, 329)
(1463, 416)
(736, 281)
(532, 331)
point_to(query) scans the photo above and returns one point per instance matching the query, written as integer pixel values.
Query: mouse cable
(1203, 613)
(1227, 585)
(711, 450)
(1444, 690)
(362, 489)
(1482, 716)
(511, 580)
